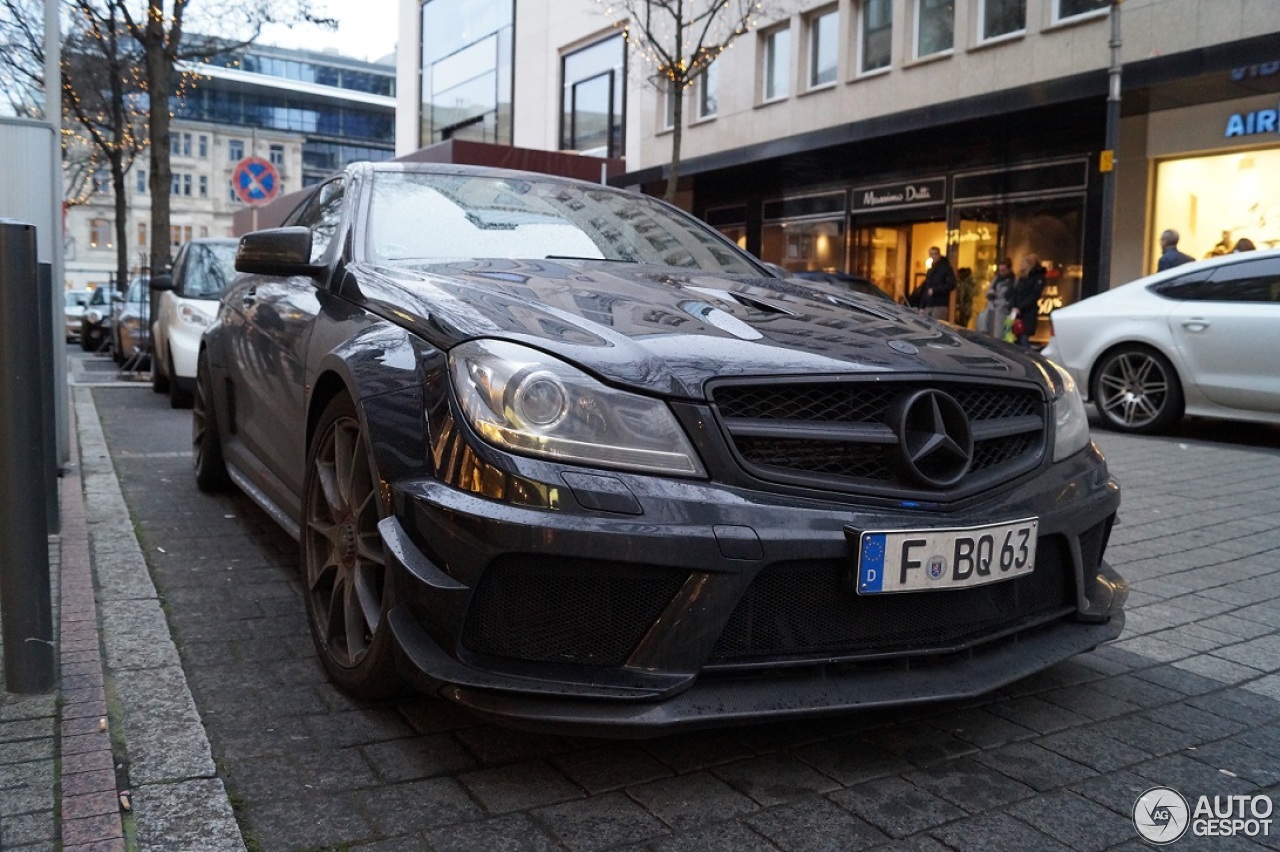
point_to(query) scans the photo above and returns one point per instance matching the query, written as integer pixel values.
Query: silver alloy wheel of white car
(1136, 389)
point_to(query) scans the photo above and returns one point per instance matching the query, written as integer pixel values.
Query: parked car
(131, 322)
(187, 305)
(844, 281)
(1198, 339)
(74, 303)
(95, 323)
(570, 458)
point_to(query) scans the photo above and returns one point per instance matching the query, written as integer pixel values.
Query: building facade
(306, 114)
(853, 135)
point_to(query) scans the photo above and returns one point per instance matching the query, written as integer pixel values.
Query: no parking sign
(255, 180)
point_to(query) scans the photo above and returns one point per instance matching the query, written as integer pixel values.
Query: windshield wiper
(576, 257)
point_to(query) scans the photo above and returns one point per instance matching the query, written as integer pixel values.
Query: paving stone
(1215, 668)
(852, 760)
(188, 815)
(689, 801)
(897, 807)
(698, 750)
(314, 822)
(612, 767)
(1203, 725)
(1242, 705)
(725, 837)
(37, 828)
(1034, 765)
(1268, 686)
(1191, 777)
(510, 833)
(420, 757)
(600, 822)
(1093, 748)
(1241, 760)
(1072, 820)
(1090, 703)
(494, 746)
(1115, 791)
(994, 831)
(1137, 691)
(418, 805)
(970, 784)
(815, 825)
(1262, 653)
(1179, 680)
(983, 728)
(1036, 714)
(519, 787)
(774, 779)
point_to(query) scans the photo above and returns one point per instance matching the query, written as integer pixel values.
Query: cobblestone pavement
(1189, 698)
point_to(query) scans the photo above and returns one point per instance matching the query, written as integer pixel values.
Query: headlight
(131, 322)
(192, 316)
(1070, 422)
(93, 316)
(529, 402)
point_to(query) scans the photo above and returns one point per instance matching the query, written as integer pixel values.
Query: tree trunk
(115, 155)
(160, 86)
(677, 133)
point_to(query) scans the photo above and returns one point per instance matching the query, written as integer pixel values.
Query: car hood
(668, 330)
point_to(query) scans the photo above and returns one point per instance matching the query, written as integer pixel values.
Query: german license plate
(954, 558)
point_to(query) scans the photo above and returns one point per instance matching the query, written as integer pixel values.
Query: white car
(1201, 339)
(187, 305)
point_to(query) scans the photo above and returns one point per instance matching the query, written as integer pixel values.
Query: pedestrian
(1244, 244)
(999, 291)
(1170, 256)
(1025, 299)
(933, 296)
(966, 289)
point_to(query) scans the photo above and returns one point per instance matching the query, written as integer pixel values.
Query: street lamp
(1106, 161)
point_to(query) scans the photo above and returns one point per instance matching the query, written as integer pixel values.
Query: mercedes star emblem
(934, 437)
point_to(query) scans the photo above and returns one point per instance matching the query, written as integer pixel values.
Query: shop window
(880, 256)
(935, 26)
(777, 64)
(875, 34)
(1066, 9)
(1214, 201)
(823, 47)
(803, 246)
(707, 85)
(999, 18)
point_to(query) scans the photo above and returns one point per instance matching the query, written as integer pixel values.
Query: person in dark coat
(933, 296)
(1026, 298)
(1170, 256)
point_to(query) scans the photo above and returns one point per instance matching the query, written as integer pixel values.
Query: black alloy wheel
(348, 588)
(1137, 390)
(178, 396)
(206, 445)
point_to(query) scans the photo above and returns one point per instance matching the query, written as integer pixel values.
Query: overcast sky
(367, 29)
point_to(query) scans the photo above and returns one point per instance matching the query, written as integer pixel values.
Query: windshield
(77, 298)
(449, 217)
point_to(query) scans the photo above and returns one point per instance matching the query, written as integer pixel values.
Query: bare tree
(22, 56)
(160, 29)
(680, 39)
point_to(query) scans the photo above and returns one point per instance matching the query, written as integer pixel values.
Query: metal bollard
(48, 361)
(26, 611)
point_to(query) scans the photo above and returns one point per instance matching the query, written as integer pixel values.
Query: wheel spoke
(355, 623)
(326, 475)
(369, 594)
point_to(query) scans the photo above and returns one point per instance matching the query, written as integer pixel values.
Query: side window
(1247, 281)
(322, 216)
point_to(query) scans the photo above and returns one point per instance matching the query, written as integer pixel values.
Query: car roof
(1196, 265)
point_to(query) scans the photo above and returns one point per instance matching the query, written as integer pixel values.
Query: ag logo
(1161, 815)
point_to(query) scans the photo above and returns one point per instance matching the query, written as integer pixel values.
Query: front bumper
(631, 605)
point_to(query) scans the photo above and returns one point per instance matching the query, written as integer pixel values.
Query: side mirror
(276, 251)
(162, 282)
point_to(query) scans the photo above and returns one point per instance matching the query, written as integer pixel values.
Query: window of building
(142, 235)
(777, 64)
(232, 196)
(935, 26)
(204, 146)
(823, 47)
(102, 182)
(100, 234)
(235, 149)
(592, 100)
(186, 185)
(875, 34)
(669, 96)
(1064, 9)
(179, 234)
(186, 144)
(277, 155)
(204, 231)
(998, 18)
(142, 181)
(175, 185)
(204, 186)
(707, 84)
(175, 144)
(467, 70)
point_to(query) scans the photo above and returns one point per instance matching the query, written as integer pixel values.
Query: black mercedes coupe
(564, 455)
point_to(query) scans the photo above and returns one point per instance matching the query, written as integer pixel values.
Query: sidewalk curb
(179, 802)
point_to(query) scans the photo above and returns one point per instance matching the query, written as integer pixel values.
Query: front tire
(159, 381)
(206, 443)
(1137, 390)
(179, 397)
(348, 586)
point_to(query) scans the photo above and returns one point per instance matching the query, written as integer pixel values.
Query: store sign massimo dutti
(895, 195)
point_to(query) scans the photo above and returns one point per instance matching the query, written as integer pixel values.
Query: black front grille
(590, 612)
(838, 434)
(803, 609)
